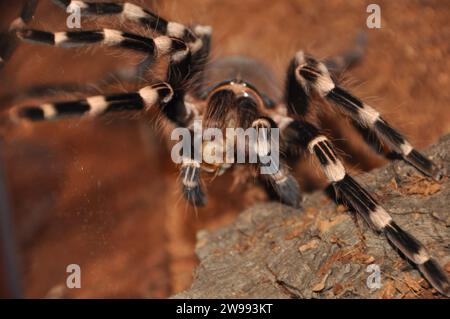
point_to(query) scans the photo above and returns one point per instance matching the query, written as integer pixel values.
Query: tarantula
(233, 100)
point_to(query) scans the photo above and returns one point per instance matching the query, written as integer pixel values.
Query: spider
(235, 99)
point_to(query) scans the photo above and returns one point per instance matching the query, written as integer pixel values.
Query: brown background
(104, 194)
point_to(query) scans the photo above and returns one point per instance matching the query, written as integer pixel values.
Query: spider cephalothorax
(190, 91)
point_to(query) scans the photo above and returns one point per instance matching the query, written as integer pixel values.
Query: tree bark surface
(322, 250)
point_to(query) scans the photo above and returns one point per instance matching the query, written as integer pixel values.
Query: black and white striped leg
(313, 75)
(190, 170)
(187, 72)
(297, 98)
(295, 95)
(8, 39)
(192, 184)
(182, 114)
(374, 142)
(156, 47)
(199, 60)
(306, 136)
(186, 64)
(137, 14)
(157, 94)
(193, 74)
(275, 171)
(286, 187)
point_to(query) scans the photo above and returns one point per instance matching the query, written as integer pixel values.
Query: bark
(322, 250)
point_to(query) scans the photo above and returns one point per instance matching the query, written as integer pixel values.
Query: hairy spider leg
(309, 74)
(137, 14)
(280, 180)
(157, 94)
(197, 40)
(307, 137)
(156, 47)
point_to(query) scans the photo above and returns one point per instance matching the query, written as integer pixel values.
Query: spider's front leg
(270, 166)
(309, 75)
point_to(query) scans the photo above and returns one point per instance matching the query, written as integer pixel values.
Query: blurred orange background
(104, 193)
